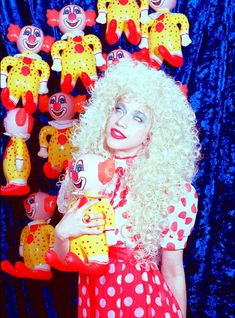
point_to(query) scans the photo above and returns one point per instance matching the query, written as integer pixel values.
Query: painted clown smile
(73, 24)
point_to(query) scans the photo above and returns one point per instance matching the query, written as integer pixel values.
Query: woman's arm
(173, 272)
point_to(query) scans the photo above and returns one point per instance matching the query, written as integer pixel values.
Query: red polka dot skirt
(126, 290)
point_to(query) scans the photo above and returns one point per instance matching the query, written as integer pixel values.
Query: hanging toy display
(16, 163)
(36, 239)
(122, 16)
(165, 33)
(62, 108)
(90, 175)
(25, 75)
(76, 55)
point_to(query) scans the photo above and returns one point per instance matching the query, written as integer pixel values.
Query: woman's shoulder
(181, 218)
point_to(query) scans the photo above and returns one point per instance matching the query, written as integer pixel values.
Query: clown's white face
(127, 127)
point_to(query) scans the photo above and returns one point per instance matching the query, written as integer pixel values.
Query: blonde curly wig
(171, 156)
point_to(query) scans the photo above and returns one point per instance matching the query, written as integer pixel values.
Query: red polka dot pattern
(181, 219)
(127, 290)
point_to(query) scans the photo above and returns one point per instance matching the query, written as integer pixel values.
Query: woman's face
(127, 128)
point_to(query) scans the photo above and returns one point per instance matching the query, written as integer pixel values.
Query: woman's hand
(76, 222)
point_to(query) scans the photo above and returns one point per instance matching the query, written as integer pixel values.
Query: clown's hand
(43, 88)
(3, 80)
(144, 17)
(100, 61)
(144, 43)
(56, 66)
(185, 40)
(43, 152)
(19, 164)
(101, 17)
(111, 238)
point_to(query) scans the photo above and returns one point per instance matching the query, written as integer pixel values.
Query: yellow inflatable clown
(16, 163)
(57, 148)
(90, 175)
(76, 55)
(36, 238)
(25, 75)
(165, 34)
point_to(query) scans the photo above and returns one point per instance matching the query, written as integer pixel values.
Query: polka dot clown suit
(164, 34)
(25, 75)
(122, 16)
(36, 238)
(76, 55)
(16, 162)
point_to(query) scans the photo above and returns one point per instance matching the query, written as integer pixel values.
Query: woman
(140, 117)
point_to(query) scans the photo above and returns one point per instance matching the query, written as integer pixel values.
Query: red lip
(116, 134)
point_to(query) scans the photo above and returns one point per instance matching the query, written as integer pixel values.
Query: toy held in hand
(16, 162)
(62, 108)
(122, 16)
(36, 239)
(76, 55)
(90, 175)
(165, 34)
(25, 75)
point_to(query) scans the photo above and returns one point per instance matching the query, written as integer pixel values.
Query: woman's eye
(119, 108)
(139, 118)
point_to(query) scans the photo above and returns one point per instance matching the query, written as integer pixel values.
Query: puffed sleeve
(181, 218)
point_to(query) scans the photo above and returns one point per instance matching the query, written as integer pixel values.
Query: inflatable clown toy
(89, 177)
(25, 75)
(36, 238)
(76, 55)
(54, 138)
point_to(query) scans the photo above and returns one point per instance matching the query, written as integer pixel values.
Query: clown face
(61, 106)
(116, 55)
(91, 173)
(30, 39)
(39, 205)
(72, 18)
(18, 122)
(162, 4)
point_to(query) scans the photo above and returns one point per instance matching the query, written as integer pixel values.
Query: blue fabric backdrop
(207, 71)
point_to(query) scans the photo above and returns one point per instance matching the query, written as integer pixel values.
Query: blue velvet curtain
(208, 71)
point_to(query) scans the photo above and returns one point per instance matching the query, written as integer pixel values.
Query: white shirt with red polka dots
(128, 289)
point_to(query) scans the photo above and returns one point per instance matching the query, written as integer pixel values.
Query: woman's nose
(122, 121)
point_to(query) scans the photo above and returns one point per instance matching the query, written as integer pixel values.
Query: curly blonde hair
(169, 160)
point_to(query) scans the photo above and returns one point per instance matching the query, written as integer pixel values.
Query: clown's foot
(134, 36)
(91, 268)
(22, 271)
(6, 101)
(29, 105)
(53, 260)
(172, 59)
(13, 189)
(67, 85)
(111, 34)
(87, 81)
(51, 171)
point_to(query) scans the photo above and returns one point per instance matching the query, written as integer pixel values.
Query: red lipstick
(116, 134)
